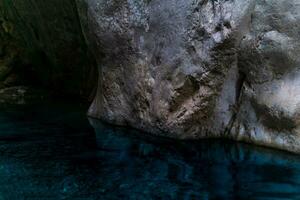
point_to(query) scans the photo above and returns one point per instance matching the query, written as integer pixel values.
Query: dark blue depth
(50, 151)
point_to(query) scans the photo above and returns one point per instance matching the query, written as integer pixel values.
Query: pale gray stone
(191, 69)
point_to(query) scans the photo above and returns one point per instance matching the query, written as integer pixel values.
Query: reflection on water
(52, 152)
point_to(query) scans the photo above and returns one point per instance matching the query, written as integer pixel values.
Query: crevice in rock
(239, 86)
(239, 93)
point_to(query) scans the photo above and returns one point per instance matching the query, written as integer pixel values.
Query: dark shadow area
(50, 151)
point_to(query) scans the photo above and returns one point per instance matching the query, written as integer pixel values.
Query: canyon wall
(42, 44)
(185, 69)
(191, 69)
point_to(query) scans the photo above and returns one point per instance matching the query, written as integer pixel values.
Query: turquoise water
(51, 151)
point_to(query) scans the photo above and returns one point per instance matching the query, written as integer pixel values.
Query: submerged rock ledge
(195, 69)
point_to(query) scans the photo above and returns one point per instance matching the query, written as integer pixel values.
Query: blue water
(51, 151)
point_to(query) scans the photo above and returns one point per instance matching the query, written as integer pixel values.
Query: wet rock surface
(195, 69)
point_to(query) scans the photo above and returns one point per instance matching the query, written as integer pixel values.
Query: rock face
(190, 69)
(43, 41)
(269, 57)
(185, 69)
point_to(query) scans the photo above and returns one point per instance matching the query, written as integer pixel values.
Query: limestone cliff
(199, 68)
(185, 69)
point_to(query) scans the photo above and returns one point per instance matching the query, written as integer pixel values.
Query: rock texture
(41, 42)
(269, 57)
(190, 69)
(185, 69)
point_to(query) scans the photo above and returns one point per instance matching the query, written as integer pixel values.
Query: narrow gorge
(149, 99)
(185, 69)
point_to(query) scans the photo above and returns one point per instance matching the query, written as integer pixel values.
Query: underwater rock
(192, 69)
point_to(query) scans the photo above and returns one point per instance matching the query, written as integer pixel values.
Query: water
(50, 151)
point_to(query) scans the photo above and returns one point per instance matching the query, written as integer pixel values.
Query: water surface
(51, 151)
